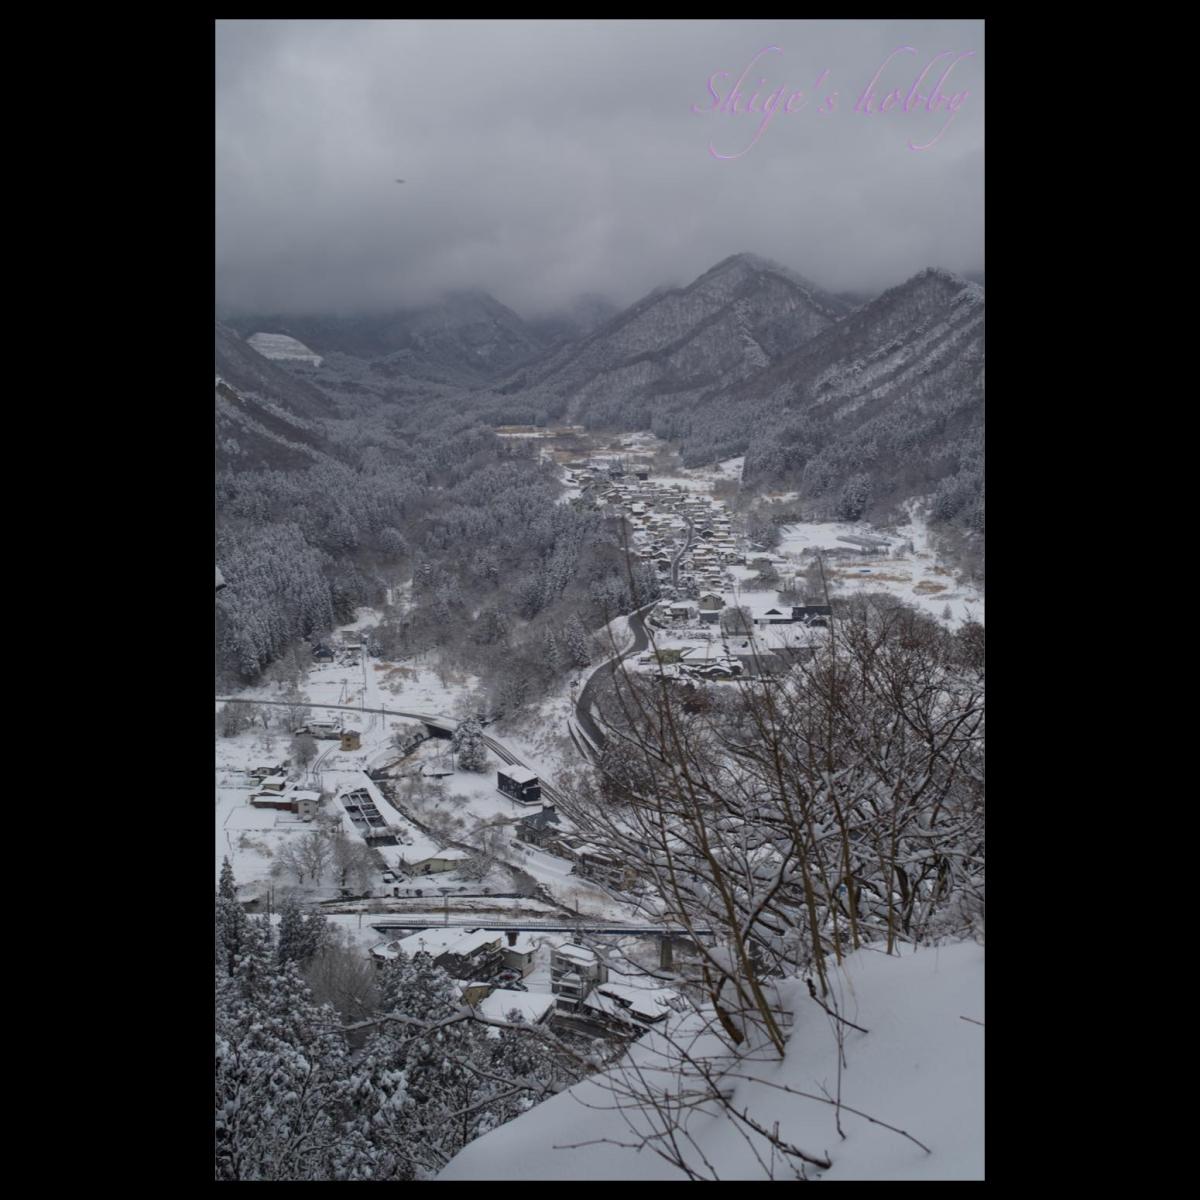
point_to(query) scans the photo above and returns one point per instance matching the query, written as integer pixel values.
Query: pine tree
(472, 753)
(281, 1099)
(300, 937)
(231, 929)
(227, 888)
(417, 1097)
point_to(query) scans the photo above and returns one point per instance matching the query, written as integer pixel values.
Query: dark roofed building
(538, 829)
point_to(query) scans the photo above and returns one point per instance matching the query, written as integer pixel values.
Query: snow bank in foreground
(920, 1068)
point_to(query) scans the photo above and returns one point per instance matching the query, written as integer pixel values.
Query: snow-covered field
(919, 1068)
(280, 346)
(918, 578)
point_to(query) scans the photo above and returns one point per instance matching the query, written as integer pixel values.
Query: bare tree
(341, 975)
(802, 819)
(315, 851)
(288, 858)
(304, 749)
(355, 863)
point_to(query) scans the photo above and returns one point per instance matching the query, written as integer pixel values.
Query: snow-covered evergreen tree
(300, 936)
(227, 887)
(281, 1066)
(472, 753)
(421, 1093)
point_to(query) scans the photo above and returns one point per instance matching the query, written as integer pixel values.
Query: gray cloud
(545, 159)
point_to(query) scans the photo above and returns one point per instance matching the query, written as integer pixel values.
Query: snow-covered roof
(579, 954)
(533, 1006)
(435, 942)
(518, 774)
(607, 1005)
(470, 942)
(650, 1003)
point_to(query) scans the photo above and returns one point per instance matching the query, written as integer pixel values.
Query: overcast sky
(545, 159)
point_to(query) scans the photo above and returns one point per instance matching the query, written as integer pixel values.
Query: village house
(535, 829)
(305, 803)
(328, 730)
(322, 653)
(812, 614)
(768, 612)
(475, 992)
(465, 954)
(258, 774)
(519, 952)
(351, 740)
(444, 860)
(271, 800)
(648, 1005)
(519, 784)
(597, 864)
(574, 971)
(534, 1007)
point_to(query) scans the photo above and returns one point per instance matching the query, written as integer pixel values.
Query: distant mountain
(677, 343)
(466, 338)
(884, 405)
(581, 317)
(856, 407)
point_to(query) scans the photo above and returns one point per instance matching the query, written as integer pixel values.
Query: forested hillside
(316, 517)
(337, 482)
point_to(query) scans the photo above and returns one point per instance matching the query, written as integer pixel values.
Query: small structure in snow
(519, 784)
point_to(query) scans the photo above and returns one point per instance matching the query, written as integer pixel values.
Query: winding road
(641, 639)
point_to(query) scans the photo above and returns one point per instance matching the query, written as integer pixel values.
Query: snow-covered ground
(280, 346)
(919, 1069)
(918, 578)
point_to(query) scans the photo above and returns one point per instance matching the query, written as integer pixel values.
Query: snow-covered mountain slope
(892, 394)
(722, 329)
(919, 1069)
(465, 338)
(249, 373)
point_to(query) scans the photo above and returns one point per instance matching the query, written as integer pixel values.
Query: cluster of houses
(542, 830)
(333, 729)
(273, 789)
(659, 516)
(345, 649)
(490, 966)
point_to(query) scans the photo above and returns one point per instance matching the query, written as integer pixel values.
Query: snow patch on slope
(280, 346)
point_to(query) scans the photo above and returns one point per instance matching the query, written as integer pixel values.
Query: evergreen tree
(418, 1100)
(227, 888)
(472, 753)
(231, 922)
(281, 1100)
(300, 936)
